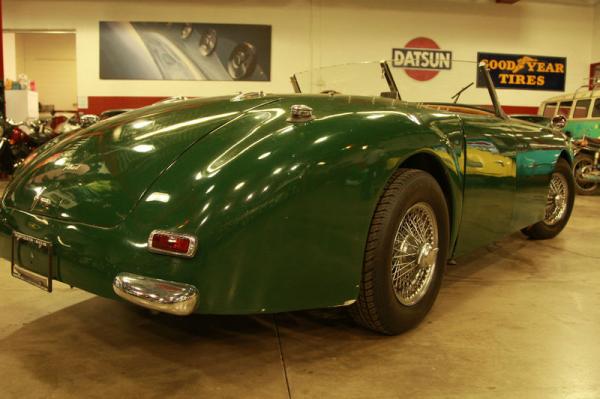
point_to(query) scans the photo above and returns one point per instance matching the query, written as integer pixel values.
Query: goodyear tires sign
(525, 72)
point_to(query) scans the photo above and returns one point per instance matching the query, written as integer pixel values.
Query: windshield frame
(394, 93)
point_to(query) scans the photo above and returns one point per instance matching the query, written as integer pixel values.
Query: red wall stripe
(519, 109)
(97, 104)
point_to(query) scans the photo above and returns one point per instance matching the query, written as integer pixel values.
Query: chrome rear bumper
(165, 296)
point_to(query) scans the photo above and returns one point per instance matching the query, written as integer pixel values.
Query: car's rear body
(280, 210)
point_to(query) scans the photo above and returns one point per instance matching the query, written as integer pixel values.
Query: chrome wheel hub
(427, 256)
(556, 204)
(414, 255)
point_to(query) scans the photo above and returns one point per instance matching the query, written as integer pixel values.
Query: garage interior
(516, 318)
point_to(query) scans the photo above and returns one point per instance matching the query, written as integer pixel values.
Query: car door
(536, 159)
(489, 183)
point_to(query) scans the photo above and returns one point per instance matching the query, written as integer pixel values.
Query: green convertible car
(272, 203)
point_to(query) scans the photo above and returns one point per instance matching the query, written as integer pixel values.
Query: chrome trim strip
(164, 296)
(191, 250)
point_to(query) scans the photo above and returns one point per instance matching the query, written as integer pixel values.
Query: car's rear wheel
(559, 204)
(405, 255)
(583, 162)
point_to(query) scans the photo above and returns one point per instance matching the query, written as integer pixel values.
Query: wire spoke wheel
(405, 254)
(556, 203)
(583, 165)
(559, 203)
(414, 254)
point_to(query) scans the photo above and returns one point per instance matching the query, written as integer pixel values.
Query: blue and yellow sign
(525, 72)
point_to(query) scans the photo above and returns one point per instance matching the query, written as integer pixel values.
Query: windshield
(458, 84)
(364, 79)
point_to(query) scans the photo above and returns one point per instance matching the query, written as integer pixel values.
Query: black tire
(582, 160)
(378, 308)
(545, 229)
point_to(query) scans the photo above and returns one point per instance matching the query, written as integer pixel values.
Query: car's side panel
(536, 160)
(451, 153)
(490, 181)
(508, 169)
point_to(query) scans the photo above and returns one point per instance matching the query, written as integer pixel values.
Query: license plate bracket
(20, 272)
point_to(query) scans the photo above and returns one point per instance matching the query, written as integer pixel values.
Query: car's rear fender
(282, 210)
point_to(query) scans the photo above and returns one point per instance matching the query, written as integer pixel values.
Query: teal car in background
(582, 112)
(581, 108)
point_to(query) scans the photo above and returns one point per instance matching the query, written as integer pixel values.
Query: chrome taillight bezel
(191, 249)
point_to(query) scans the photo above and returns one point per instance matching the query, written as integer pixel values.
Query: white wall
(10, 56)
(368, 30)
(596, 34)
(50, 60)
(322, 32)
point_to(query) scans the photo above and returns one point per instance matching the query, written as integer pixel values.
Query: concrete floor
(520, 319)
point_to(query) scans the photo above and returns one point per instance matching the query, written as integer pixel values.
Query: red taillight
(171, 243)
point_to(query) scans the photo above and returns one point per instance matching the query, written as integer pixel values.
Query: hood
(96, 176)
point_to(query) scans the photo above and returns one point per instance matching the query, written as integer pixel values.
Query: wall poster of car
(184, 51)
(528, 72)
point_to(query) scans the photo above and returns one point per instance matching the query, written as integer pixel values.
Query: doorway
(45, 63)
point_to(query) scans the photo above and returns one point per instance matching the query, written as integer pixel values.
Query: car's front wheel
(405, 254)
(559, 204)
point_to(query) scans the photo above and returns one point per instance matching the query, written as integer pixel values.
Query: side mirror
(559, 122)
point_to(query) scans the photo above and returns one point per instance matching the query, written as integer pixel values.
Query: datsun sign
(528, 72)
(421, 58)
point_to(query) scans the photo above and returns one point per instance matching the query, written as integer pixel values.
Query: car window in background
(596, 109)
(581, 108)
(564, 108)
(550, 110)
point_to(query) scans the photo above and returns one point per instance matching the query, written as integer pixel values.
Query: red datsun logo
(422, 59)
